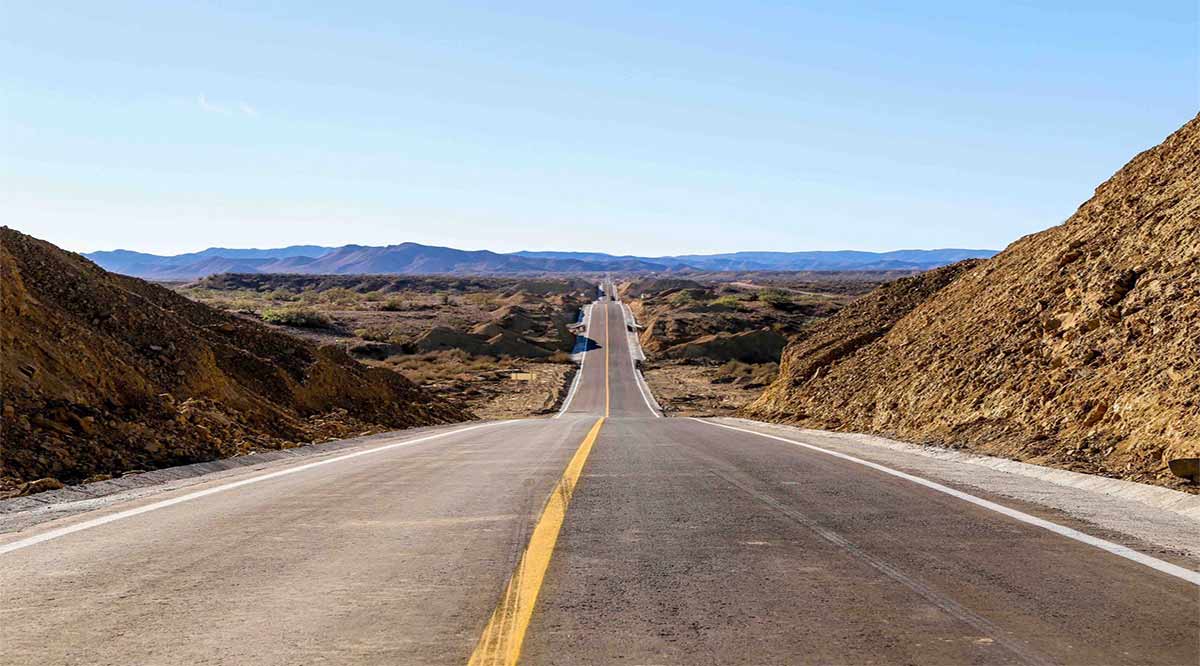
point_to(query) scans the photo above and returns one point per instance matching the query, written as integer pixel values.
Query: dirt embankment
(103, 374)
(1077, 347)
(721, 322)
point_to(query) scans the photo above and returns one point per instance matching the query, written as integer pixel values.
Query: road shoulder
(20, 513)
(1157, 520)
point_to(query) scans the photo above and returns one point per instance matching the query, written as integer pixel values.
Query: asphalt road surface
(605, 535)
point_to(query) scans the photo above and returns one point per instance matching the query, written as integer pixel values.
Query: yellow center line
(501, 640)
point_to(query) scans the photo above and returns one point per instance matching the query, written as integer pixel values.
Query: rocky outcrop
(1078, 346)
(101, 373)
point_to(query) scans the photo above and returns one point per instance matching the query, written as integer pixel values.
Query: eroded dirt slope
(102, 374)
(1078, 346)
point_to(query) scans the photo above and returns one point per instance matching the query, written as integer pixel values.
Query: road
(604, 535)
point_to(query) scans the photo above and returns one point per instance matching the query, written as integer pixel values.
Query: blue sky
(648, 128)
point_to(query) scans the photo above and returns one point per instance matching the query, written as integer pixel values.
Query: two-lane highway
(605, 535)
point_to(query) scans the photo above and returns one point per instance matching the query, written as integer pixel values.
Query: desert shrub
(443, 365)
(378, 334)
(393, 305)
(295, 316)
(775, 297)
(682, 298)
(340, 296)
(283, 295)
(732, 302)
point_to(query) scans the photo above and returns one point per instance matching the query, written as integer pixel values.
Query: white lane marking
(1116, 549)
(129, 513)
(638, 379)
(587, 336)
(571, 391)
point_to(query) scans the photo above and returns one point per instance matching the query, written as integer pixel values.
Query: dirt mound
(102, 373)
(1078, 346)
(441, 338)
(514, 318)
(498, 342)
(656, 285)
(508, 343)
(762, 346)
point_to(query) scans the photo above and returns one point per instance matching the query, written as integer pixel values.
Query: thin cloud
(222, 109)
(210, 107)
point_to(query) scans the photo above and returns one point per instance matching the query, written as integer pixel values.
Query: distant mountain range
(412, 258)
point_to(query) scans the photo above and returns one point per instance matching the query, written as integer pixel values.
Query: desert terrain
(498, 346)
(713, 341)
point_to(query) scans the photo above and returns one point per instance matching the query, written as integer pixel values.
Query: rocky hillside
(102, 374)
(864, 321)
(1077, 347)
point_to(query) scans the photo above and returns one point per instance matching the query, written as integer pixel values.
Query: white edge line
(129, 513)
(638, 379)
(571, 391)
(637, 376)
(587, 335)
(1116, 549)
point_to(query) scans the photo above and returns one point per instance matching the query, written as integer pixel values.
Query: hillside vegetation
(1078, 346)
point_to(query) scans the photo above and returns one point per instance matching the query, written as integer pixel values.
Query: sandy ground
(688, 390)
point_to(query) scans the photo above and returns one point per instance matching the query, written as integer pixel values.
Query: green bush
(393, 305)
(294, 316)
(774, 297)
(732, 302)
(682, 298)
(339, 296)
(283, 295)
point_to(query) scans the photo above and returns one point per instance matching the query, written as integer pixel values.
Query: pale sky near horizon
(632, 128)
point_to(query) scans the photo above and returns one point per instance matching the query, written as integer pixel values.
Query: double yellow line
(505, 631)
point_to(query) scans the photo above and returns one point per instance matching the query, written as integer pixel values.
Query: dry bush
(730, 302)
(379, 334)
(296, 316)
(445, 364)
(340, 296)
